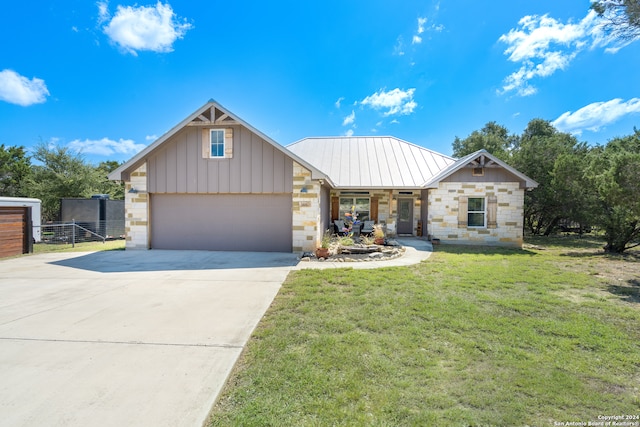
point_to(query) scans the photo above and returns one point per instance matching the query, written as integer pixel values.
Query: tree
(621, 17)
(569, 182)
(115, 189)
(613, 173)
(15, 168)
(61, 174)
(492, 137)
(541, 146)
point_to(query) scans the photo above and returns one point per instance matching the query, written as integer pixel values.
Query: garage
(222, 222)
(15, 231)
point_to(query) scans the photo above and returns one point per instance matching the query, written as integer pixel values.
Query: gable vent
(478, 172)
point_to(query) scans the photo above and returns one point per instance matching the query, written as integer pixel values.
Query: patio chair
(339, 226)
(367, 228)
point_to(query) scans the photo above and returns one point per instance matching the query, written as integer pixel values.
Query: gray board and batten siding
(255, 167)
(240, 203)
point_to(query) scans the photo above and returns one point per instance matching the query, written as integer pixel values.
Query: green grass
(109, 245)
(472, 336)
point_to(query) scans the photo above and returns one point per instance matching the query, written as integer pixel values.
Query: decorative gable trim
(213, 116)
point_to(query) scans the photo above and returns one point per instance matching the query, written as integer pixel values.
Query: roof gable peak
(481, 159)
(213, 115)
(475, 160)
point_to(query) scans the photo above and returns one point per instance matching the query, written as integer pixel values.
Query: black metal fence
(72, 232)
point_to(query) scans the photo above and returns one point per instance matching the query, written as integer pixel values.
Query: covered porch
(401, 212)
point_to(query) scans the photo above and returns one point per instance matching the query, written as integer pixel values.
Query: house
(214, 182)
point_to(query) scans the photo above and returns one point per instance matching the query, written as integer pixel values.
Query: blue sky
(107, 78)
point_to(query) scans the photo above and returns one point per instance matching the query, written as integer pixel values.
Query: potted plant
(323, 250)
(378, 234)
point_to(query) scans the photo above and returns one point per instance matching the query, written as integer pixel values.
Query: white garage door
(255, 222)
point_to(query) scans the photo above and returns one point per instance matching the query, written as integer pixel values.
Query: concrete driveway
(124, 338)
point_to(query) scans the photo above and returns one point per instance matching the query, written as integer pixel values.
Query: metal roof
(371, 162)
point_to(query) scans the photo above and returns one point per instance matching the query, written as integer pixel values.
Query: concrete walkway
(134, 338)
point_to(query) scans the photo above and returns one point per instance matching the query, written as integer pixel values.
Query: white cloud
(103, 11)
(17, 89)
(339, 101)
(398, 49)
(349, 132)
(136, 28)
(417, 39)
(421, 22)
(150, 138)
(596, 115)
(105, 146)
(395, 101)
(544, 45)
(349, 119)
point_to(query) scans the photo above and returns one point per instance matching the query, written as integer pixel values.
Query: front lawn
(539, 336)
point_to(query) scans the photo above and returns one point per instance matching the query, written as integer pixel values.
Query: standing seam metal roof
(371, 162)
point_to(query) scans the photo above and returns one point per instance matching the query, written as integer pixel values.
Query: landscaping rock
(362, 253)
(359, 249)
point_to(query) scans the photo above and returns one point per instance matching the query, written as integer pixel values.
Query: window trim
(211, 142)
(483, 212)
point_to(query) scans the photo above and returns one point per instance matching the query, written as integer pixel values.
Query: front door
(405, 216)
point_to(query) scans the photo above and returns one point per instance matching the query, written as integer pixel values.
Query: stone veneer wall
(306, 210)
(137, 210)
(443, 213)
(385, 214)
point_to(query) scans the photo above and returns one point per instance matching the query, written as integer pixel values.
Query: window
(361, 204)
(217, 143)
(476, 212)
